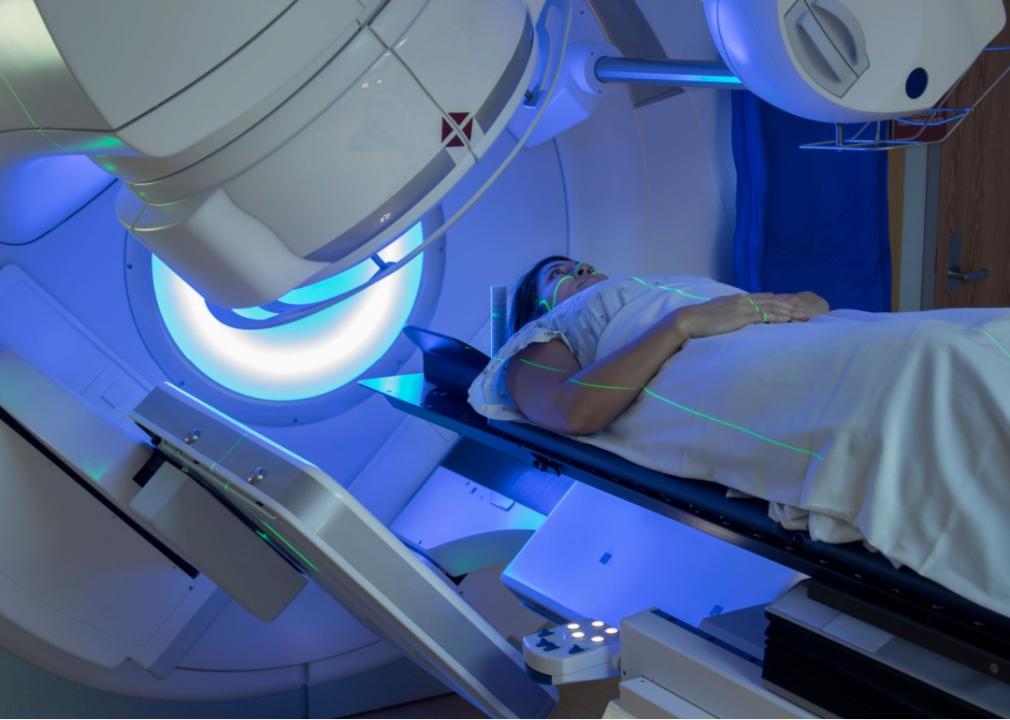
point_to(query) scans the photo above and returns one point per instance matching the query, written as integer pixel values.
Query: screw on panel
(193, 436)
(258, 475)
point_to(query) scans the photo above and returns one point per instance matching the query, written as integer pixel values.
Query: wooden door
(974, 193)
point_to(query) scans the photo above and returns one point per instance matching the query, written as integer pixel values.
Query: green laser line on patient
(697, 413)
(563, 279)
(552, 288)
(669, 401)
(764, 315)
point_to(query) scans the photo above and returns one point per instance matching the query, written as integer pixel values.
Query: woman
(888, 427)
(565, 401)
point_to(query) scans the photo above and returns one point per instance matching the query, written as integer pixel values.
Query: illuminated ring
(297, 373)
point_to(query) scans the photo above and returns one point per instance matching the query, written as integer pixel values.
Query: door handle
(968, 276)
(955, 275)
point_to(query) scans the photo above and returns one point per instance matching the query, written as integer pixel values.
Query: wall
(652, 189)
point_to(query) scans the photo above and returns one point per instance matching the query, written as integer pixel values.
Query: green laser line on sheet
(289, 546)
(995, 342)
(732, 425)
(667, 288)
(685, 408)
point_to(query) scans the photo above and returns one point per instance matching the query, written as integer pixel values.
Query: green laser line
(667, 288)
(562, 281)
(602, 387)
(685, 408)
(732, 425)
(28, 115)
(554, 298)
(583, 383)
(764, 315)
(687, 294)
(524, 361)
(18, 101)
(290, 547)
(995, 342)
(225, 456)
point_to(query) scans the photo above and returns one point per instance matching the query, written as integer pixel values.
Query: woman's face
(559, 280)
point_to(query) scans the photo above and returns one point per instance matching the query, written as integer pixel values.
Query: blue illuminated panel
(40, 193)
(304, 358)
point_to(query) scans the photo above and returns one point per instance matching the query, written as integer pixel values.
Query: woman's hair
(526, 298)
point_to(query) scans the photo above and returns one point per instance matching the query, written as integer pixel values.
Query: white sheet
(892, 427)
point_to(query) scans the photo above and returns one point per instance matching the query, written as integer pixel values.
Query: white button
(578, 635)
(573, 626)
(598, 623)
(597, 638)
(611, 631)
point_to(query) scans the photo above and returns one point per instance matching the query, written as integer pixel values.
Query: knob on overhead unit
(846, 61)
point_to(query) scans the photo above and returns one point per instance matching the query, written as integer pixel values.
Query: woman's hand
(732, 312)
(808, 304)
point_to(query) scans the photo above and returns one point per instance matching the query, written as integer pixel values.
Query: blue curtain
(806, 219)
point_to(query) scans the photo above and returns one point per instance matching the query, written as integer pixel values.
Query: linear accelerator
(289, 143)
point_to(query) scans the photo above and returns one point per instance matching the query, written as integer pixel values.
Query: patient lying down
(893, 428)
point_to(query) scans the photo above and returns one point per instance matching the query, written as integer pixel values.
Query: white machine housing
(290, 141)
(670, 669)
(244, 157)
(325, 532)
(852, 60)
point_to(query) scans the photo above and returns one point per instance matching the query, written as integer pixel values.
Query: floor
(578, 700)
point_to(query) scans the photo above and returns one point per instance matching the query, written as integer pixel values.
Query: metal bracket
(546, 464)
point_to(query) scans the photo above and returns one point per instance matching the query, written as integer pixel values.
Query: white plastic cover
(851, 60)
(318, 526)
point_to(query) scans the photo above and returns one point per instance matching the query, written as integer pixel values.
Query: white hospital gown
(893, 428)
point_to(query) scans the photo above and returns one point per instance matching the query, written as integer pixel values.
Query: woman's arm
(550, 388)
(574, 401)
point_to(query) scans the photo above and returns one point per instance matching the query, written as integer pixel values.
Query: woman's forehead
(553, 264)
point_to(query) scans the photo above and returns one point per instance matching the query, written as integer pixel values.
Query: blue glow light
(37, 194)
(254, 313)
(304, 358)
(331, 286)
